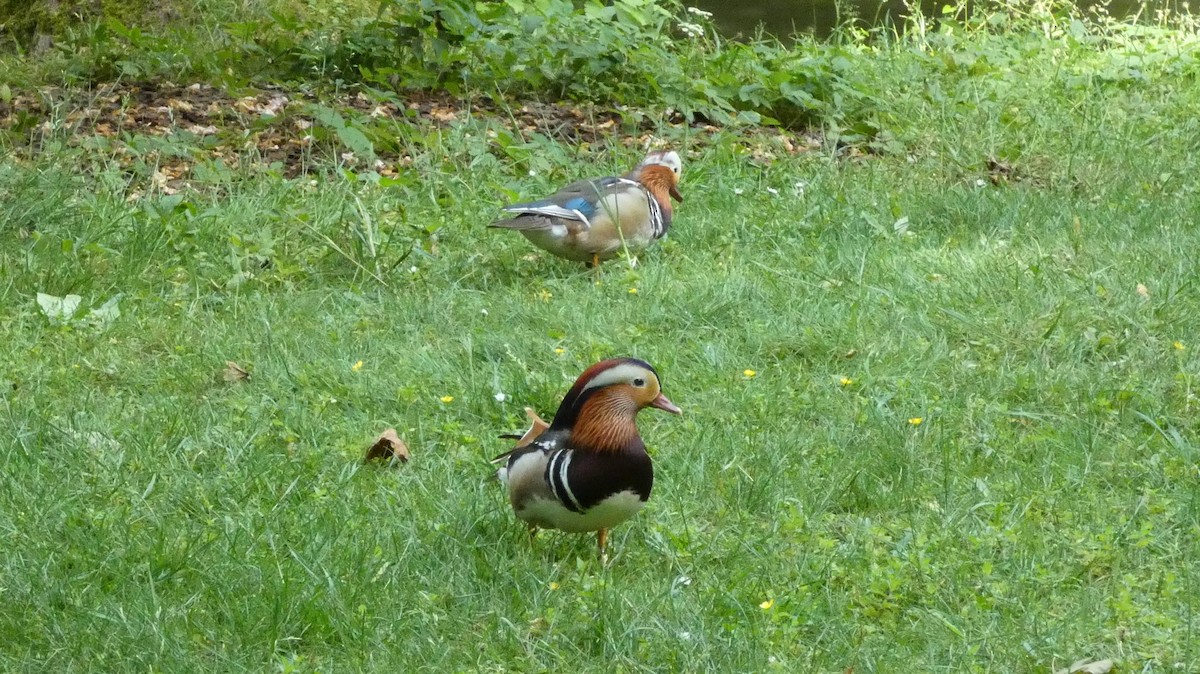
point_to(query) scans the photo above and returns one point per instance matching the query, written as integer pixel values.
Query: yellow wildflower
(553, 585)
(447, 399)
(845, 381)
(1178, 345)
(545, 295)
(767, 604)
(749, 374)
(633, 291)
(357, 366)
(916, 421)
(559, 350)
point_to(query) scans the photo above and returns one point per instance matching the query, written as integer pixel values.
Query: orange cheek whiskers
(606, 424)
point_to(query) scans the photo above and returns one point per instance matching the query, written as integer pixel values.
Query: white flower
(799, 186)
(691, 29)
(980, 183)
(412, 269)
(500, 397)
(685, 635)
(483, 311)
(699, 12)
(532, 173)
(772, 191)
(737, 191)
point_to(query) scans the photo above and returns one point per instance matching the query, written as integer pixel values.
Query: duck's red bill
(665, 405)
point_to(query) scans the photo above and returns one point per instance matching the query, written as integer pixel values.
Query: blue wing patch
(583, 205)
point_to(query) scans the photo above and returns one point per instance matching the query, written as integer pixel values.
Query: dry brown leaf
(234, 372)
(443, 115)
(1088, 666)
(159, 180)
(388, 446)
(1143, 290)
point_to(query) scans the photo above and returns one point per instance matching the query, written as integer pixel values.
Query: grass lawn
(940, 403)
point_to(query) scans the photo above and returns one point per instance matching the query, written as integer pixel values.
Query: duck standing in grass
(589, 470)
(592, 220)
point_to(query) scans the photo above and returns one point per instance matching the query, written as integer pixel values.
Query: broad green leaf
(104, 315)
(59, 310)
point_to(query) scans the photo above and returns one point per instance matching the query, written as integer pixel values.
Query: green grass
(156, 517)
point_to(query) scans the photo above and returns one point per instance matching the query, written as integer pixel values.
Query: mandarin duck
(588, 469)
(592, 220)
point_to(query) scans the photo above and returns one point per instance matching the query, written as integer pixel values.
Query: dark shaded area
(782, 18)
(34, 23)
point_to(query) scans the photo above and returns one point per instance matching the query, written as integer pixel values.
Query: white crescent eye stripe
(669, 159)
(625, 372)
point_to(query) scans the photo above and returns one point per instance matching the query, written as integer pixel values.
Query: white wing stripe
(551, 212)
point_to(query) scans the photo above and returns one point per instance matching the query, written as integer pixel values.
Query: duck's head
(660, 171)
(602, 406)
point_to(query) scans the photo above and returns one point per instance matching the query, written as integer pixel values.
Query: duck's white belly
(611, 511)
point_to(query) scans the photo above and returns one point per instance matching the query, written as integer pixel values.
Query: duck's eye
(639, 382)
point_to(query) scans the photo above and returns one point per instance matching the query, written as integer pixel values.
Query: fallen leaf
(59, 310)
(105, 314)
(234, 372)
(159, 180)
(443, 115)
(389, 446)
(1087, 666)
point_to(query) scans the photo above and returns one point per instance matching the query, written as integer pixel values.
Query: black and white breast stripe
(556, 476)
(658, 227)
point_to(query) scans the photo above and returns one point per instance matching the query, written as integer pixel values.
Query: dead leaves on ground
(388, 447)
(273, 127)
(234, 372)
